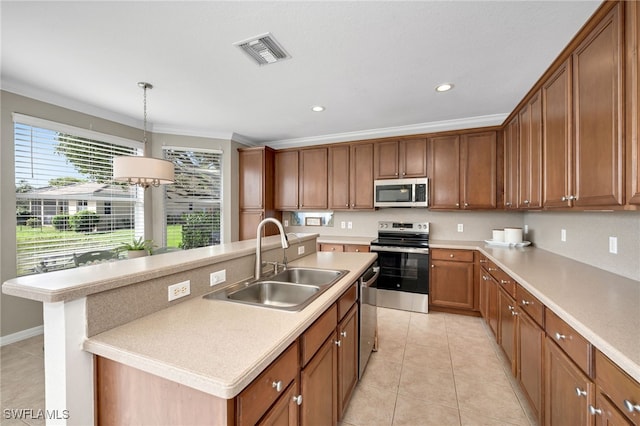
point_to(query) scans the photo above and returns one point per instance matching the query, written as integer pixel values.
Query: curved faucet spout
(283, 239)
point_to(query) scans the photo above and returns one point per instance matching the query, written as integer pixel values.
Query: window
(193, 204)
(66, 201)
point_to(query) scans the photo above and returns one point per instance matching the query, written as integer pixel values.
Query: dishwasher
(368, 317)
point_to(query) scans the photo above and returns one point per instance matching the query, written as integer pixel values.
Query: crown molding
(200, 133)
(413, 129)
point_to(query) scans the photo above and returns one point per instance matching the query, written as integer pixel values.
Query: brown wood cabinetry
(598, 112)
(256, 182)
(285, 411)
(507, 327)
(530, 346)
(357, 248)
(488, 295)
(451, 279)
(351, 176)
(347, 358)
(632, 40)
(286, 180)
(530, 154)
(463, 171)
(405, 158)
(313, 178)
(318, 383)
(618, 394)
(511, 169)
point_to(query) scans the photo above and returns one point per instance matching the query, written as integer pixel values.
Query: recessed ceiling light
(317, 108)
(444, 87)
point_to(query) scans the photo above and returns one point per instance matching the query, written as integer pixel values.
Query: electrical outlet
(460, 227)
(179, 290)
(286, 222)
(300, 249)
(563, 235)
(350, 225)
(343, 224)
(217, 277)
(526, 229)
(613, 245)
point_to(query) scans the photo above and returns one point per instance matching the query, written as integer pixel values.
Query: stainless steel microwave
(401, 192)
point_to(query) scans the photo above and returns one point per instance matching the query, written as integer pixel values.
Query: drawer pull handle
(581, 392)
(338, 343)
(277, 385)
(298, 399)
(343, 334)
(593, 410)
(525, 302)
(560, 336)
(630, 406)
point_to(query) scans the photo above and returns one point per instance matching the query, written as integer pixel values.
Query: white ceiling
(373, 65)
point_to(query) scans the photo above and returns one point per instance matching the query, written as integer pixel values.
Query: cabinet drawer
(358, 248)
(314, 337)
(331, 247)
(530, 304)
(504, 280)
(576, 346)
(347, 300)
(457, 255)
(256, 399)
(621, 389)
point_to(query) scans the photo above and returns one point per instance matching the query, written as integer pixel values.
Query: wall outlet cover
(300, 249)
(217, 277)
(460, 227)
(350, 225)
(179, 290)
(563, 235)
(613, 245)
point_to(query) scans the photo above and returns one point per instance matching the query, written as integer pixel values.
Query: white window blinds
(66, 202)
(193, 204)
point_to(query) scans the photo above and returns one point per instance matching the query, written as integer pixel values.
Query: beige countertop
(601, 306)
(344, 239)
(219, 347)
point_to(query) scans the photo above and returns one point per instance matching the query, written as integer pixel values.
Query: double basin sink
(289, 290)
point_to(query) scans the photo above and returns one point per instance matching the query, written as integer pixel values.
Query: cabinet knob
(343, 334)
(466, 204)
(277, 385)
(357, 250)
(433, 266)
(508, 204)
(396, 174)
(504, 282)
(593, 410)
(564, 198)
(485, 278)
(483, 261)
(631, 407)
(333, 249)
(352, 205)
(457, 204)
(560, 336)
(451, 255)
(526, 201)
(346, 205)
(514, 313)
(511, 308)
(525, 303)
(403, 174)
(581, 392)
(338, 343)
(298, 399)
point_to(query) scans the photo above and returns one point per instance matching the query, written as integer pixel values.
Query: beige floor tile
(494, 400)
(415, 412)
(382, 374)
(469, 418)
(390, 349)
(434, 385)
(418, 356)
(370, 406)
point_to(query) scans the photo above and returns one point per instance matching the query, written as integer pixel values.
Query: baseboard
(21, 335)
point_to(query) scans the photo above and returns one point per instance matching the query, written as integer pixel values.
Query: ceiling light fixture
(444, 87)
(317, 108)
(143, 171)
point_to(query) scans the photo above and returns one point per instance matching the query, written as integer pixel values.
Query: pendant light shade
(143, 171)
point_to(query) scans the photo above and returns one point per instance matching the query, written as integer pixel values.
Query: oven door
(403, 269)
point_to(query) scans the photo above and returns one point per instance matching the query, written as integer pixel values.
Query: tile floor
(436, 369)
(430, 369)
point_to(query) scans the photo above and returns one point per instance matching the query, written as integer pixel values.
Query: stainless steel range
(403, 257)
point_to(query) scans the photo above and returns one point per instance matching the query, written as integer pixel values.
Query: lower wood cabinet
(489, 299)
(452, 279)
(318, 380)
(507, 327)
(357, 248)
(530, 353)
(347, 358)
(285, 411)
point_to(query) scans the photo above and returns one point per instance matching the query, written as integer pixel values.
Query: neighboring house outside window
(66, 202)
(193, 204)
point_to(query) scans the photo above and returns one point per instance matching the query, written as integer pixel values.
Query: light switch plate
(563, 235)
(460, 227)
(613, 245)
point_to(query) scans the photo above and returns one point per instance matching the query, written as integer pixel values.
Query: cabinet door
(285, 411)
(597, 89)
(632, 92)
(530, 355)
(249, 220)
(319, 386)
(331, 247)
(606, 414)
(511, 169)
(362, 176)
(507, 327)
(530, 150)
(451, 284)
(484, 295)
(286, 180)
(556, 137)
(251, 179)
(413, 158)
(347, 359)
(339, 181)
(444, 172)
(313, 178)
(562, 382)
(478, 170)
(492, 304)
(386, 159)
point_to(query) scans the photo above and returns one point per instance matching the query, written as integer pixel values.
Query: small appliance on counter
(403, 257)
(507, 237)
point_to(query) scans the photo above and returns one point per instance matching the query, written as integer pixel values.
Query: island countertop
(217, 346)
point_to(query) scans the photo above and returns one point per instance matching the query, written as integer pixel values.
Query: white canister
(498, 235)
(513, 235)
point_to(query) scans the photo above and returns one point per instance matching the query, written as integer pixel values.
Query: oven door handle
(373, 279)
(400, 249)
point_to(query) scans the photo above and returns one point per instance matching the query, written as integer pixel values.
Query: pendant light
(143, 171)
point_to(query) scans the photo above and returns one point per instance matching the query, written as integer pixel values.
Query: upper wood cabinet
(530, 154)
(511, 164)
(400, 159)
(301, 179)
(556, 137)
(598, 112)
(351, 176)
(632, 33)
(463, 171)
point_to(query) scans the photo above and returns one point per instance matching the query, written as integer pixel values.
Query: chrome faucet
(283, 239)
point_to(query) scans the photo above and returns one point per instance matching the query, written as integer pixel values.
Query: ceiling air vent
(264, 49)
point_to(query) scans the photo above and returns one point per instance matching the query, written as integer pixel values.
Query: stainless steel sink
(290, 290)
